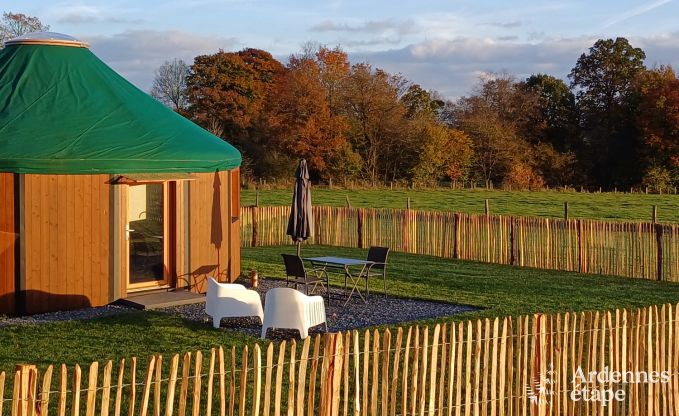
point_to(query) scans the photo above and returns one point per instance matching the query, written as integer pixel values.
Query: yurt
(104, 192)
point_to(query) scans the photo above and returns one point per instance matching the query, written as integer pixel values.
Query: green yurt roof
(63, 111)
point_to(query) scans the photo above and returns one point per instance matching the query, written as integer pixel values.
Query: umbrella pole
(299, 248)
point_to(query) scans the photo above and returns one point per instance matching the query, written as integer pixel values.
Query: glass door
(146, 235)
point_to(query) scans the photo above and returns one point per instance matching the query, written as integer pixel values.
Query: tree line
(613, 123)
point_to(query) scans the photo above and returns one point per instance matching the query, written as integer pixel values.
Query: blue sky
(442, 45)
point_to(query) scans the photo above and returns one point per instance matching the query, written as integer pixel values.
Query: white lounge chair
(231, 300)
(288, 308)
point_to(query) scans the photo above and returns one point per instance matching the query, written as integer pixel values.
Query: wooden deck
(162, 299)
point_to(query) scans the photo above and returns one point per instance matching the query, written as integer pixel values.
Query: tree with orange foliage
(227, 90)
(658, 118)
(299, 116)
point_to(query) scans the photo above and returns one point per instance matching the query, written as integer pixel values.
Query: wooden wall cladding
(8, 242)
(67, 237)
(210, 230)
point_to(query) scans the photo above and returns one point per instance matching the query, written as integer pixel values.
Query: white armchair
(230, 300)
(288, 308)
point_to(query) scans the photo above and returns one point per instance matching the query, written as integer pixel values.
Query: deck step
(161, 299)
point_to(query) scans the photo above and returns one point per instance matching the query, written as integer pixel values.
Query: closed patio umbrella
(300, 223)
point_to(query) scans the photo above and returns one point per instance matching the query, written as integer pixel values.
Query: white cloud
(452, 67)
(400, 27)
(87, 14)
(136, 54)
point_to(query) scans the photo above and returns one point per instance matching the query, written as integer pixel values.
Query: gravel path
(87, 313)
(355, 315)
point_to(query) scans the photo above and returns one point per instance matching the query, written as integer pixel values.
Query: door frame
(167, 244)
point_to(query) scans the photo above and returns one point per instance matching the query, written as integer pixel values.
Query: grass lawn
(500, 290)
(612, 206)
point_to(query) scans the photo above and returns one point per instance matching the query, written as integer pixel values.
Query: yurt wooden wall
(214, 228)
(70, 250)
(8, 240)
(66, 241)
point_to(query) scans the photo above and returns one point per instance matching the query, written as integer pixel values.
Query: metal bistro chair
(296, 273)
(378, 267)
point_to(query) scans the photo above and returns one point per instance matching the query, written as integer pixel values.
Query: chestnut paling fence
(632, 249)
(529, 365)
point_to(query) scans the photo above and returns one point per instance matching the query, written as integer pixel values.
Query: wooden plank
(171, 385)
(423, 371)
(486, 352)
(106, 389)
(404, 382)
(45, 391)
(232, 382)
(386, 350)
(366, 363)
(279, 378)
(8, 241)
(2, 391)
(304, 358)
(345, 368)
(184, 385)
(267, 383)
(92, 388)
(394, 371)
(468, 371)
(148, 382)
(119, 388)
(433, 368)
(357, 392)
(494, 369)
(291, 379)
(157, 386)
(442, 373)
(222, 383)
(257, 380)
(77, 377)
(243, 381)
(197, 383)
(210, 382)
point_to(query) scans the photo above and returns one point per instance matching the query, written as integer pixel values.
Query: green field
(611, 206)
(498, 290)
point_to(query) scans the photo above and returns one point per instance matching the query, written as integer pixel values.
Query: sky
(445, 46)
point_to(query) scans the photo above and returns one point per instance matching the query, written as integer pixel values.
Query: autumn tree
(493, 117)
(657, 118)
(300, 118)
(169, 84)
(444, 153)
(228, 89)
(17, 24)
(376, 122)
(603, 80)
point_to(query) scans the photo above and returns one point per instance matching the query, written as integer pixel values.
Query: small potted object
(254, 279)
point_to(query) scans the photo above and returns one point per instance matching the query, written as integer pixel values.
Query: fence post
(581, 262)
(565, 211)
(456, 236)
(487, 207)
(654, 214)
(255, 230)
(659, 255)
(512, 257)
(359, 221)
(25, 382)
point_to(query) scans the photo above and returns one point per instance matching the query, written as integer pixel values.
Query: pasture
(606, 205)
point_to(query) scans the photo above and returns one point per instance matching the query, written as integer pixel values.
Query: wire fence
(528, 365)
